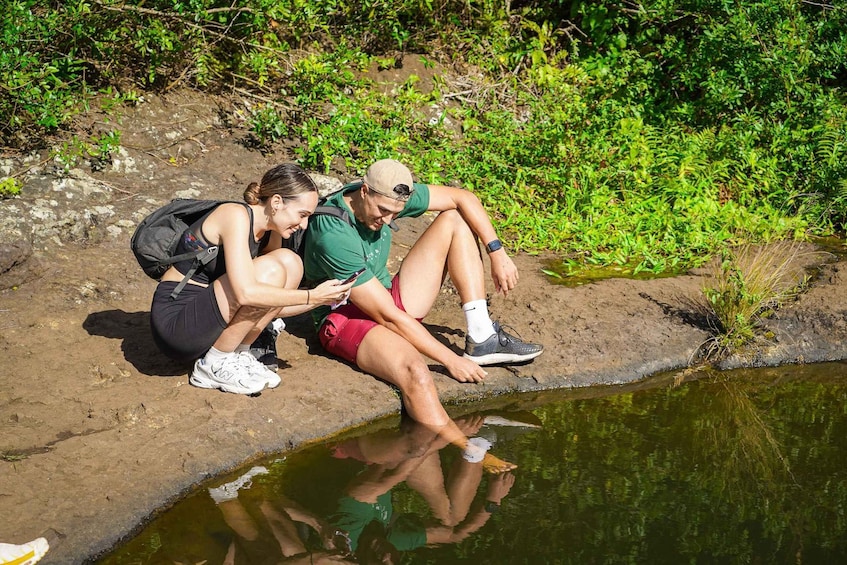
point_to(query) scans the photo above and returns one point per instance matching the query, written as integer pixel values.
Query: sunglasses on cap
(401, 191)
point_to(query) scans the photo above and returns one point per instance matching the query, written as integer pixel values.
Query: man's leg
(448, 245)
(391, 358)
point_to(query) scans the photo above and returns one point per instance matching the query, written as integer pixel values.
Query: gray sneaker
(501, 348)
(228, 375)
(229, 491)
(264, 348)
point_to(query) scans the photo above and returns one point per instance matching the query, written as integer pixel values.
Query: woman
(227, 302)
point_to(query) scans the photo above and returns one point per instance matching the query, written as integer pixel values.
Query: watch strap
(493, 245)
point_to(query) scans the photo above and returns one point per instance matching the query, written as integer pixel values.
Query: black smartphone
(354, 276)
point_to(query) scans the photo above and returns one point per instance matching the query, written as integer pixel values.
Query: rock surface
(99, 430)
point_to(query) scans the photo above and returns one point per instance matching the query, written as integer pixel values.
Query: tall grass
(748, 285)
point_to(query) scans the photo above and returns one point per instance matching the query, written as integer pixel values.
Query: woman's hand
(330, 292)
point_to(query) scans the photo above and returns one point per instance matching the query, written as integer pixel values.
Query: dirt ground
(99, 430)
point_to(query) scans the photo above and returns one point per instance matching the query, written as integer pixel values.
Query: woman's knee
(281, 267)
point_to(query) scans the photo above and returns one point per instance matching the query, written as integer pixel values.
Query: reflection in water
(735, 467)
(365, 514)
(364, 525)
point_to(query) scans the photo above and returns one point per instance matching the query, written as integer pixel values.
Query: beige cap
(387, 176)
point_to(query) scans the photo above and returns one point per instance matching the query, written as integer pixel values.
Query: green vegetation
(647, 134)
(749, 284)
(74, 150)
(9, 187)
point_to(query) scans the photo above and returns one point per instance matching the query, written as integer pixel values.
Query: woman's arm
(229, 225)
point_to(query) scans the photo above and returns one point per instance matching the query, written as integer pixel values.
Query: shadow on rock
(303, 327)
(442, 333)
(137, 345)
(692, 312)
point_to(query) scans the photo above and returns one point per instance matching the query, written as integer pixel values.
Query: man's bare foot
(495, 465)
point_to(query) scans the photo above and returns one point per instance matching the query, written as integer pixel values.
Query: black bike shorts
(186, 327)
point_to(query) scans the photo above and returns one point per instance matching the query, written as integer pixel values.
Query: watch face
(494, 246)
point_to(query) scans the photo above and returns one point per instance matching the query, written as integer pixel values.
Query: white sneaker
(229, 491)
(228, 375)
(259, 370)
(24, 554)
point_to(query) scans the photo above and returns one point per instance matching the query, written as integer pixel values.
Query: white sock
(476, 449)
(215, 355)
(480, 326)
(278, 324)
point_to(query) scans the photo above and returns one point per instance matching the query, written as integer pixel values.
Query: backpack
(297, 241)
(155, 239)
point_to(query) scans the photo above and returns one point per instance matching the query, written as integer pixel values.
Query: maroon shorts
(344, 329)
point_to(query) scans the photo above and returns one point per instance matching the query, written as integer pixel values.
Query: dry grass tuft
(749, 284)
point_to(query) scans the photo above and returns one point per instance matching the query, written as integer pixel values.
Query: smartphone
(354, 276)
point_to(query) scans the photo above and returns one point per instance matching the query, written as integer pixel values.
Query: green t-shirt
(405, 532)
(336, 250)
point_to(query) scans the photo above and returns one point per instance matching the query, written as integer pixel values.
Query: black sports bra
(193, 240)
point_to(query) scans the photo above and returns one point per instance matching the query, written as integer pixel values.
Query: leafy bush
(9, 187)
(648, 134)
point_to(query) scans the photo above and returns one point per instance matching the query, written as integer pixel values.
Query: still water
(737, 467)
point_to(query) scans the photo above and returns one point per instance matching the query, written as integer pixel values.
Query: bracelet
(307, 297)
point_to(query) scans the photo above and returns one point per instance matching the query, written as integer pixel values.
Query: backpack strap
(201, 258)
(342, 214)
(333, 211)
(204, 256)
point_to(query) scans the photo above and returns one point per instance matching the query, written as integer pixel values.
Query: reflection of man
(381, 331)
(365, 514)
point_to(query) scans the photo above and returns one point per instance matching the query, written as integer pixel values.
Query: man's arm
(375, 301)
(503, 270)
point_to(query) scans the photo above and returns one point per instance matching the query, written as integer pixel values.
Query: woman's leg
(282, 268)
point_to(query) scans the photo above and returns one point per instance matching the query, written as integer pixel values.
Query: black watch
(493, 245)
(491, 507)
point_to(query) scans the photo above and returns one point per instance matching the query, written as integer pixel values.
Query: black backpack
(155, 239)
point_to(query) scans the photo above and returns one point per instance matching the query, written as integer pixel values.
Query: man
(380, 331)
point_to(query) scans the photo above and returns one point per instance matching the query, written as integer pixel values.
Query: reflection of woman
(284, 519)
(365, 514)
(229, 300)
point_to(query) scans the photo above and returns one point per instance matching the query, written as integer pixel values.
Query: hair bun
(251, 193)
